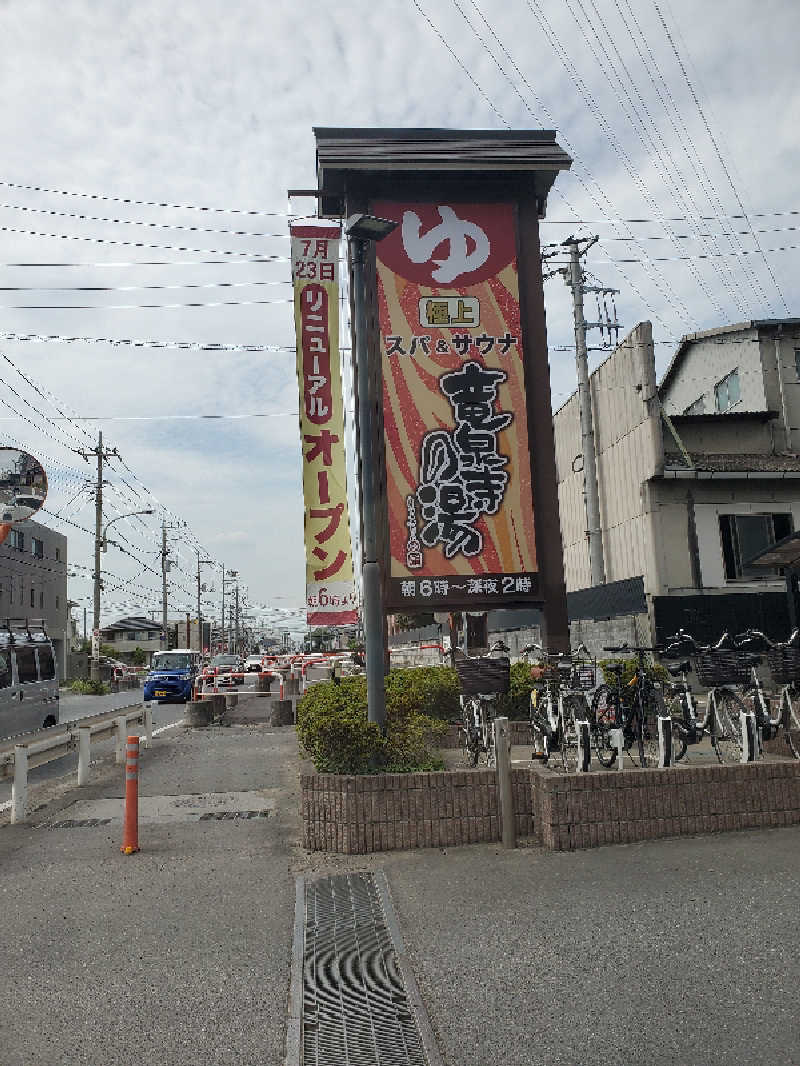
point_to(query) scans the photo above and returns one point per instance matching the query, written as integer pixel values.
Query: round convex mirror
(23, 486)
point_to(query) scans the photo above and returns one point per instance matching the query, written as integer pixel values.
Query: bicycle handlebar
(629, 647)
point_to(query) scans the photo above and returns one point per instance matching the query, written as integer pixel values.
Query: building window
(41, 599)
(726, 392)
(33, 597)
(17, 540)
(58, 602)
(58, 555)
(696, 408)
(744, 535)
(37, 548)
(797, 362)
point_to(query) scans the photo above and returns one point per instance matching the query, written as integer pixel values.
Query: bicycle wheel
(605, 716)
(790, 721)
(471, 738)
(573, 710)
(726, 726)
(648, 745)
(678, 712)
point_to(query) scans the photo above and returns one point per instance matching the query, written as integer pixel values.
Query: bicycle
(482, 680)
(559, 710)
(722, 668)
(784, 663)
(687, 728)
(637, 715)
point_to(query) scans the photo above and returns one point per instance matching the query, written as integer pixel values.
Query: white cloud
(213, 105)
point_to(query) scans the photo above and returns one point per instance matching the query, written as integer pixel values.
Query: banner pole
(370, 568)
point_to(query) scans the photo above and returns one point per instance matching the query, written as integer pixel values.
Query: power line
(138, 222)
(716, 147)
(189, 346)
(142, 203)
(659, 281)
(193, 305)
(142, 288)
(252, 257)
(170, 417)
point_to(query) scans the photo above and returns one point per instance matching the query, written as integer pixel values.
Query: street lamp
(101, 544)
(363, 230)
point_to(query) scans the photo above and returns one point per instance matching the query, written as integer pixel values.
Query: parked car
(28, 681)
(253, 663)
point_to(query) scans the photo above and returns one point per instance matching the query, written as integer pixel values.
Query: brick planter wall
(382, 812)
(586, 810)
(562, 812)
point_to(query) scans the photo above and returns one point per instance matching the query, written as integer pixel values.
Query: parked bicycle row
(635, 715)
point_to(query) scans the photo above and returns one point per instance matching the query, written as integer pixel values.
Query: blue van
(172, 676)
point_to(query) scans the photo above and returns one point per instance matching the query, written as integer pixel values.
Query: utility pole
(575, 280)
(101, 454)
(164, 569)
(236, 622)
(200, 562)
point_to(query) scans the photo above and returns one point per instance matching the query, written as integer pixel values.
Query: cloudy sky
(679, 116)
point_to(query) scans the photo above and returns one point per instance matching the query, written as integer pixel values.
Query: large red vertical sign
(456, 431)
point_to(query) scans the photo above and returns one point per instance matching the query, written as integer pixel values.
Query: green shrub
(87, 687)
(333, 729)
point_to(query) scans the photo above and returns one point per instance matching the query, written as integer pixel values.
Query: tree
(139, 656)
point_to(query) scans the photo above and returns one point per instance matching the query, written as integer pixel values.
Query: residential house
(695, 476)
(128, 634)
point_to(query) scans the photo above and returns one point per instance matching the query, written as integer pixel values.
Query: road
(74, 707)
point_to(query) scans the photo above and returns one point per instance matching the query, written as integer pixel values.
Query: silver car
(28, 681)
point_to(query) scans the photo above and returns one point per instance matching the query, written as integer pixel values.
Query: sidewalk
(672, 951)
(177, 955)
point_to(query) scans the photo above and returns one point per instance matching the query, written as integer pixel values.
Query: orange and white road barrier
(130, 832)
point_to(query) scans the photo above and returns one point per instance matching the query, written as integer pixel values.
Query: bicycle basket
(484, 676)
(784, 665)
(721, 667)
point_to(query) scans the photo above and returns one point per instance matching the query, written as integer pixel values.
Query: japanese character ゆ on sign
(460, 500)
(330, 591)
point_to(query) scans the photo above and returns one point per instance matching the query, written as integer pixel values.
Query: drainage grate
(229, 816)
(77, 823)
(356, 1011)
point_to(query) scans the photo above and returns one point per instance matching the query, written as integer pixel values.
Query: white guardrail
(17, 758)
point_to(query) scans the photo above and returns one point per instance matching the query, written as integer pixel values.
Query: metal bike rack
(617, 738)
(747, 720)
(584, 745)
(664, 741)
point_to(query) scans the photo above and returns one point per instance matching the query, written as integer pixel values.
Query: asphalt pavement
(678, 951)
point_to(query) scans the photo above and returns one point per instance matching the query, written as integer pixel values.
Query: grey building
(695, 476)
(33, 582)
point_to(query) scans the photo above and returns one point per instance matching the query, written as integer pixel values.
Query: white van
(28, 681)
